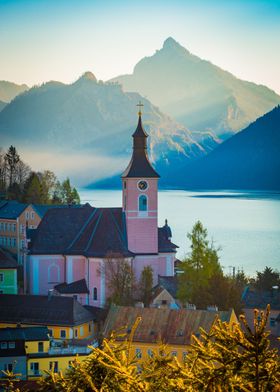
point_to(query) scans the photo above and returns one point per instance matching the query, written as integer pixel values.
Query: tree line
(19, 182)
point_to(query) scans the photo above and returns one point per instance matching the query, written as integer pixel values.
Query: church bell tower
(140, 196)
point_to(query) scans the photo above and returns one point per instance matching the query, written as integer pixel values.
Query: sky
(42, 40)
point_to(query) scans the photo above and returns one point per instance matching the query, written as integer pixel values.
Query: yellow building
(66, 319)
(29, 353)
(169, 326)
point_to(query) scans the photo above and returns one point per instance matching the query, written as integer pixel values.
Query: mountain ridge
(220, 102)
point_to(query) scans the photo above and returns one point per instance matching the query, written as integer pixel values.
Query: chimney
(50, 293)
(212, 308)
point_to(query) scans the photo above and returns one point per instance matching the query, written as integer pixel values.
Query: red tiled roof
(168, 325)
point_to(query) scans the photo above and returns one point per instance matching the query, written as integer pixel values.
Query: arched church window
(95, 293)
(53, 273)
(143, 203)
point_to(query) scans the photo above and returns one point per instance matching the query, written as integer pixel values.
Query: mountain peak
(171, 43)
(88, 76)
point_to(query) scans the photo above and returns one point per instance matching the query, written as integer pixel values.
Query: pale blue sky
(43, 40)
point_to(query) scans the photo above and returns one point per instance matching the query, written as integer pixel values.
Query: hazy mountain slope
(2, 105)
(93, 117)
(197, 93)
(248, 160)
(9, 90)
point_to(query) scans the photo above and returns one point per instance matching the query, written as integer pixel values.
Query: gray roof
(42, 209)
(77, 287)
(42, 310)
(7, 261)
(11, 209)
(88, 231)
(24, 333)
(139, 165)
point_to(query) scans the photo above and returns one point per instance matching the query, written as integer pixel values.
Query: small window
(272, 321)
(53, 366)
(89, 327)
(50, 332)
(95, 293)
(22, 243)
(22, 228)
(5, 227)
(3, 345)
(14, 227)
(150, 353)
(34, 366)
(184, 355)
(63, 333)
(40, 347)
(143, 203)
(174, 353)
(1, 226)
(32, 215)
(14, 242)
(9, 227)
(164, 302)
(27, 215)
(138, 353)
(124, 185)
(1, 277)
(12, 344)
(82, 331)
(8, 367)
(76, 333)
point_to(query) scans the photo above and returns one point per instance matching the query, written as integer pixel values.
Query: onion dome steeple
(139, 165)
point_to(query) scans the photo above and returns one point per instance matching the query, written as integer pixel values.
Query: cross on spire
(140, 104)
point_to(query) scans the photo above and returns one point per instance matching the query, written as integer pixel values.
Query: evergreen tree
(227, 358)
(267, 279)
(69, 194)
(11, 160)
(33, 190)
(198, 267)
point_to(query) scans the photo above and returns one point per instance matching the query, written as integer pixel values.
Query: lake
(245, 225)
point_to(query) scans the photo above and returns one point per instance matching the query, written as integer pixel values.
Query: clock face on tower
(142, 185)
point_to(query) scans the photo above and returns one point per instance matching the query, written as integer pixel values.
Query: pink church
(71, 246)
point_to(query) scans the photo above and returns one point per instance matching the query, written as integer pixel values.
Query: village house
(75, 243)
(28, 353)
(66, 319)
(172, 327)
(8, 273)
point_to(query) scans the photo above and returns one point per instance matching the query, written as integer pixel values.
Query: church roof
(164, 243)
(87, 231)
(77, 287)
(139, 165)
